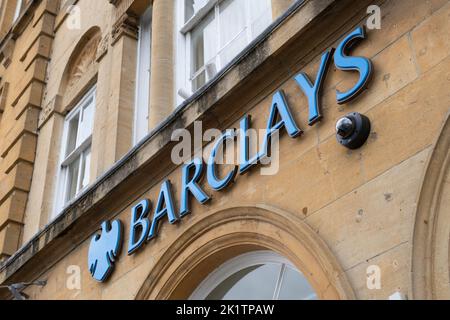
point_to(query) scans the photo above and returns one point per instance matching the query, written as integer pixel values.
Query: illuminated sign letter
(279, 109)
(213, 181)
(312, 91)
(245, 162)
(139, 221)
(164, 207)
(360, 64)
(191, 185)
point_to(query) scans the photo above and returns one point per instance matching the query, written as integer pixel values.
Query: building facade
(113, 115)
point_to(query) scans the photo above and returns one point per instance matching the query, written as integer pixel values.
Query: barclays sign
(352, 132)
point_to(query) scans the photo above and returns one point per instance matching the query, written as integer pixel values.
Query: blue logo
(104, 250)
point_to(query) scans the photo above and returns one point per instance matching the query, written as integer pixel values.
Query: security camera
(353, 130)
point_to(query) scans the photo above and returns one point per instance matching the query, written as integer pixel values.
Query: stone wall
(24, 55)
(331, 211)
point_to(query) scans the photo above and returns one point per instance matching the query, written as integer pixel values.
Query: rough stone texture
(25, 75)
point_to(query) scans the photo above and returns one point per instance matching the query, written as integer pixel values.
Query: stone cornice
(126, 25)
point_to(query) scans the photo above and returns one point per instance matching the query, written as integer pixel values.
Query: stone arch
(81, 69)
(431, 238)
(231, 232)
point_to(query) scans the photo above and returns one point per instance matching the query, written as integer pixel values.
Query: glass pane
(254, 283)
(188, 10)
(72, 134)
(192, 7)
(143, 77)
(85, 169)
(232, 20)
(296, 287)
(199, 81)
(203, 41)
(261, 16)
(72, 179)
(233, 49)
(87, 120)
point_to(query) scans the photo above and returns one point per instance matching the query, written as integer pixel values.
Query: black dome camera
(353, 130)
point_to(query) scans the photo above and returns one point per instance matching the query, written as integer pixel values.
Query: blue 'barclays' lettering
(139, 222)
(312, 91)
(280, 117)
(143, 230)
(348, 63)
(279, 108)
(191, 185)
(213, 180)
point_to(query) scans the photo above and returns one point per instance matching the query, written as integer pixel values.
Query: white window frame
(143, 76)
(18, 10)
(239, 263)
(184, 64)
(79, 152)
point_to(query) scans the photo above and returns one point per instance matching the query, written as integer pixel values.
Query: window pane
(85, 169)
(87, 120)
(203, 43)
(18, 10)
(143, 77)
(72, 134)
(199, 81)
(260, 15)
(232, 20)
(192, 7)
(72, 179)
(188, 10)
(233, 49)
(295, 287)
(254, 283)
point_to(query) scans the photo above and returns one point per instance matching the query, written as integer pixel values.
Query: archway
(257, 275)
(231, 232)
(431, 247)
(81, 70)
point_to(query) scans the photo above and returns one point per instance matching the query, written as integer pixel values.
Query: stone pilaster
(162, 70)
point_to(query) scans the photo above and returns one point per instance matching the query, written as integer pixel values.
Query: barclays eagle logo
(104, 250)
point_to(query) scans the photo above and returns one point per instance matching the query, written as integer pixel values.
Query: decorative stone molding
(50, 108)
(126, 25)
(122, 6)
(83, 61)
(102, 49)
(228, 233)
(431, 247)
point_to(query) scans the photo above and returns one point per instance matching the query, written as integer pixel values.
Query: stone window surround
(7, 43)
(196, 106)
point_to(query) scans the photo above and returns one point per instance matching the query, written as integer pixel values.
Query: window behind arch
(261, 275)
